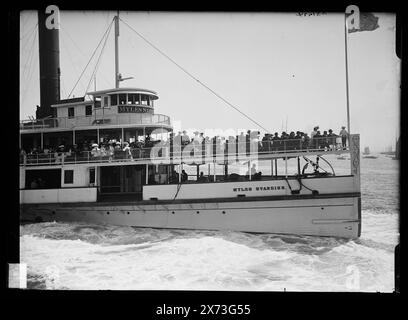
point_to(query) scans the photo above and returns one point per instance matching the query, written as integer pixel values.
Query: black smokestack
(48, 36)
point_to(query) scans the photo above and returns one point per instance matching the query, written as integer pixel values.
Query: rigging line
(30, 55)
(29, 74)
(90, 58)
(80, 51)
(29, 32)
(99, 58)
(74, 66)
(193, 77)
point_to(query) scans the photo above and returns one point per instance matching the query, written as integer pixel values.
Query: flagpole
(347, 82)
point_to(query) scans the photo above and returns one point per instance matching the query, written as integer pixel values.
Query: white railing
(84, 121)
(205, 152)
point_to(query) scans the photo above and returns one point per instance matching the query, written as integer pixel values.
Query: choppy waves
(86, 256)
(82, 256)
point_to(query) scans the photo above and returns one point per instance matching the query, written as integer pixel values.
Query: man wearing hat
(344, 135)
(185, 139)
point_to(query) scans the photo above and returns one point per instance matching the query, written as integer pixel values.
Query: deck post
(276, 167)
(42, 140)
(286, 167)
(271, 167)
(298, 165)
(97, 135)
(249, 170)
(73, 137)
(180, 169)
(147, 173)
(122, 137)
(215, 176)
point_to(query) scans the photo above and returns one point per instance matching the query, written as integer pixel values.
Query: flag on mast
(368, 22)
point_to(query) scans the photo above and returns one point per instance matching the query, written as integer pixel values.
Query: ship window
(133, 98)
(68, 176)
(91, 175)
(88, 110)
(145, 99)
(97, 101)
(114, 99)
(106, 101)
(71, 112)
(122, 98)
(130, 98)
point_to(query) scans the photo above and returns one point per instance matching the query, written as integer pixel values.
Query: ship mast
(117, 76)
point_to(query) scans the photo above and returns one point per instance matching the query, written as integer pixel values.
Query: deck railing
(86, 121)
(196, 152)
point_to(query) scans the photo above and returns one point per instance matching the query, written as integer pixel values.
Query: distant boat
(370, 157)
(341, 158)
(397, 149)
(366, 150)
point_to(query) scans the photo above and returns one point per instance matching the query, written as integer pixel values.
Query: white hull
(337, 217)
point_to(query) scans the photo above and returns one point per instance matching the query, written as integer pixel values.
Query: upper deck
(120, 107)
(165, 153)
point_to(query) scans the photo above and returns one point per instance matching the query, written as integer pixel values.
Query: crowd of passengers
(113, 149)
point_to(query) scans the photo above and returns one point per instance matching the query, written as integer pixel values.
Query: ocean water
(89, 256)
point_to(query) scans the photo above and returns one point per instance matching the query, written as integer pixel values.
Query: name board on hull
(134, 109)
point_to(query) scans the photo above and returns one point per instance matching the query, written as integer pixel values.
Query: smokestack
(48, 40)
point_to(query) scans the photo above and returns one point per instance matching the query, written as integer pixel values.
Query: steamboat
(146, 186)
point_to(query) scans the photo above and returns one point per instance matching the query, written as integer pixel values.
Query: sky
(285, 71)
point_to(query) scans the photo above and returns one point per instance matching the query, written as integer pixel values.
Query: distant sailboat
(397, 149)
(366, 154)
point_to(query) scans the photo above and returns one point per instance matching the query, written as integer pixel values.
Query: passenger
(325, 140)
(184, 176)
(174, 177)
(117, 146)
(317, 140)
(23, 156)
(298, 140)
(202, 178)
(34, 184)
(257, 176)
(111, 151)
(344, 135)
(314, 132)
(185, 139)
(103, 151)
(266, 142)
(276, 142)
(95, 150)
(248, 141)
(284, 141)
(291, 144)
(201, 137)
(126, 149)
(332, 139)
(306, 142)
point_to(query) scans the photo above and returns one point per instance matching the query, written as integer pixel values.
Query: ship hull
(336, 215)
